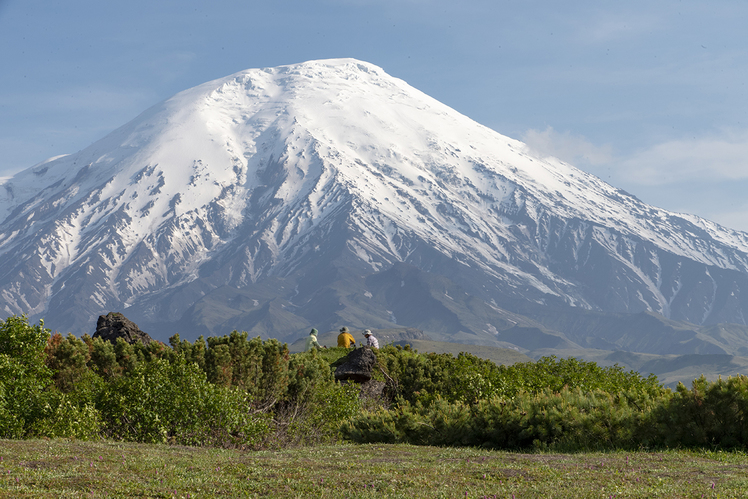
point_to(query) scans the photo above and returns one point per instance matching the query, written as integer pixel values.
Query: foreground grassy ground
(62, 468)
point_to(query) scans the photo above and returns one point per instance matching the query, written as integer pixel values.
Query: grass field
(63, 468)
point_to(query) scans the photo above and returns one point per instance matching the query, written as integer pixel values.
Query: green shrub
(555, 374)
(102, 357)
(23, 375)
(315, 405)
(14, 387)
(566, 420)
(469, 379)
(234, 391)
(25, 343)
(258, 367)
(64, 416)
(67, 358)
(160, 401)
(192, 352)
(708, 415)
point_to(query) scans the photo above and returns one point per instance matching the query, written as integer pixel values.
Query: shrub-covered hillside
(236, 391)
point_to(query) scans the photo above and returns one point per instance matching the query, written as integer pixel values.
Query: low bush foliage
(568, 420)
(468, 378)
(161, 401)
(228, 391)
(554, 404)
(240, 392)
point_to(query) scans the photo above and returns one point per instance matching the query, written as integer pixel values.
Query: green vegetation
(228, 391)
(445, 426)
(232, 391)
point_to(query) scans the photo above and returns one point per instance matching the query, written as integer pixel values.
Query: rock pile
(115, 325)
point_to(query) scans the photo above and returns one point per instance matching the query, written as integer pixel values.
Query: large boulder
(357, 366)
(373, 390)
(114, 325)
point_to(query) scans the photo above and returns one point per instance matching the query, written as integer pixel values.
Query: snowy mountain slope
(282, 172)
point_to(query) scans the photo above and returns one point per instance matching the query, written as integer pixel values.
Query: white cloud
(709, 159)
(574, 149)
(705, 176)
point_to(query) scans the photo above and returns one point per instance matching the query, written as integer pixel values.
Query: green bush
(565, 420)
(103, 357)
(68, 359)
(173, 402)
(315, 405)
(708, 415)
(64, 416)
(23, 375)
(468, 379)
(14, 387)
(231, 390)
(552, 403)
(258, 367)
(555, 374)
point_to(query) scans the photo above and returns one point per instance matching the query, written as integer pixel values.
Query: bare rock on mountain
(115, 325)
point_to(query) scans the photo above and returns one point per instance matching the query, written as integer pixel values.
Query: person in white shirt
(311, 341)
(371, 341)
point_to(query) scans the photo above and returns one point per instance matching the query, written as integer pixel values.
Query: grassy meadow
(63, 468)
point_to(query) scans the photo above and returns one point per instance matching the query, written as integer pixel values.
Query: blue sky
(650, 96)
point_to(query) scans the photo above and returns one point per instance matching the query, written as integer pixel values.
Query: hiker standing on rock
(371, 341)
(345, 339)
(311, 341)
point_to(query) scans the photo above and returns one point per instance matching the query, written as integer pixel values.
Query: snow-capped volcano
(279, 183)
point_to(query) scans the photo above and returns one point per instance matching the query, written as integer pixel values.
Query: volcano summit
(329, 192)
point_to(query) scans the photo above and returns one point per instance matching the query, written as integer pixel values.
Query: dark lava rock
(373, 390)
(357, 366)
(115, 325)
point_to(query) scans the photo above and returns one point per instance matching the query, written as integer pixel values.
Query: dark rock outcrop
(358, 366)
(114, 325)
(373, 390)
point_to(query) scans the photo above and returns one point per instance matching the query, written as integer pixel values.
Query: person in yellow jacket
(345, 339)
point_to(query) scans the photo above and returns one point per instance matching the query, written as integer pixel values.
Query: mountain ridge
(300, 186)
